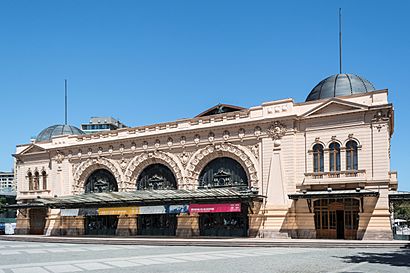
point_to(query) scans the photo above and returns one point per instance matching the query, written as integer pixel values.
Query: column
(188, 225)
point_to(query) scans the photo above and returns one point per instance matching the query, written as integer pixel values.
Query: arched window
(318, 163)
(30, 181)
(36, 181)
(101, 181)
(351, 155)
(223, 172)
(156, 177)
(44, 176)
(334, 157)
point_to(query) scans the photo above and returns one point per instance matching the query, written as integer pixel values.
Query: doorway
(101, 225)
(340, 224)
(157, 224)
(37, 221)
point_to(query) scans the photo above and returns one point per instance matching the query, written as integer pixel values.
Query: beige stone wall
(272, 142)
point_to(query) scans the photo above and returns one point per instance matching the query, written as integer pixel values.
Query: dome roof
(57, 130)
(340, 85)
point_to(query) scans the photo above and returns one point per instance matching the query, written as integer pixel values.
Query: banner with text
(214, 208)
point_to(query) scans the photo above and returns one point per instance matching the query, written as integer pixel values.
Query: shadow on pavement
(394, 258)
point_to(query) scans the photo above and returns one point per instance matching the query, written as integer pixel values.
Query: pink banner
(214, 208)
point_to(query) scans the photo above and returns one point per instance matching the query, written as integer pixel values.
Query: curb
(291, 243)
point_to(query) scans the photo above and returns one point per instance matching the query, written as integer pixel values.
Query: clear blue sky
(152, 61)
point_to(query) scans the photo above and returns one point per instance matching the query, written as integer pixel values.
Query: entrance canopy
(332, 194)
(147, 197)
(339, 194)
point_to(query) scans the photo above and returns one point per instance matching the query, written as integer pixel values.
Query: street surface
(25, 257)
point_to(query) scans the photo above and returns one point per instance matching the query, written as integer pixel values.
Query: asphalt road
(22, 257)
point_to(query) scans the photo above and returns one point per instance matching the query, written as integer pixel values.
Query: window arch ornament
(100, 180)
(318, 158)
(351, 155)
(203, 156)
(334, 156)
(84, 170)
(156, 177)
(137, 165)
(222, 172)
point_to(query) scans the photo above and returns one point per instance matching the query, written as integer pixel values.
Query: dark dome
(57, 130)
(340, 85)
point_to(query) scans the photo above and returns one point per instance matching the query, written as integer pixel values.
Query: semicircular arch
(86, 168)
(140, 162)
(203, 156)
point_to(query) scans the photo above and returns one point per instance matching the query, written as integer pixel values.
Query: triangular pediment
(220, 109)
(334, 106)
(32, 149)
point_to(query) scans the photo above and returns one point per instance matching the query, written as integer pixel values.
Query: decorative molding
(85, 168)
(139, 162)
(203, 156)
(277, 130)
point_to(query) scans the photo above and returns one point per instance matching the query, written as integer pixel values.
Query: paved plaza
(22, 257)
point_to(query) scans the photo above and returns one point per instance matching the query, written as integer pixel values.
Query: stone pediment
(32, 149)
(334, 106)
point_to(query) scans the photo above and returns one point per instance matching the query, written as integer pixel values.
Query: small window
(351, 155)
(318, 163)
(30, 181)
(334, 157)
(36, 181)
(44, 176)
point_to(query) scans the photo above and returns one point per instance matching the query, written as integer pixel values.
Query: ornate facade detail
(59, 157)
(255, 150)
(85, 168)
(277, 130)
(184, 157)
(139, 162)
(201, 157)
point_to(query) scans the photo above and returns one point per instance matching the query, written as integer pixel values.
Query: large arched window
(44, 176)
(318, 162)
(30, 181)
(156, 177)
(223, 172)
(334, 157)
(36, 181)
(101, 181)
(351, 155)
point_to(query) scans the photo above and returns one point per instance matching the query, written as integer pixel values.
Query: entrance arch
(222, 172)
(100, 180)
(156, 177)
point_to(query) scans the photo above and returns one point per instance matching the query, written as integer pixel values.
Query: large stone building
(283, 169)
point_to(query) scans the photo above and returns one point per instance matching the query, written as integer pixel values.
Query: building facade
(282, 169)
(101, 124)
(7, 181)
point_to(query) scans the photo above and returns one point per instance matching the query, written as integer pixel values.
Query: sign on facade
(215, 208)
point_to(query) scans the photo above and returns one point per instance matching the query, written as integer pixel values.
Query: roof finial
(65, 102)
(340, 40)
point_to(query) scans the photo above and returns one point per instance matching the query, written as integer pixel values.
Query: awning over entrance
(333, 194)
(143, 197)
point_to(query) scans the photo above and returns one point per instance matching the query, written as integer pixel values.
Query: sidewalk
(215, 242)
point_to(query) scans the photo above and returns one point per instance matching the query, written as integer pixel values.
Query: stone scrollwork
(201, 157)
